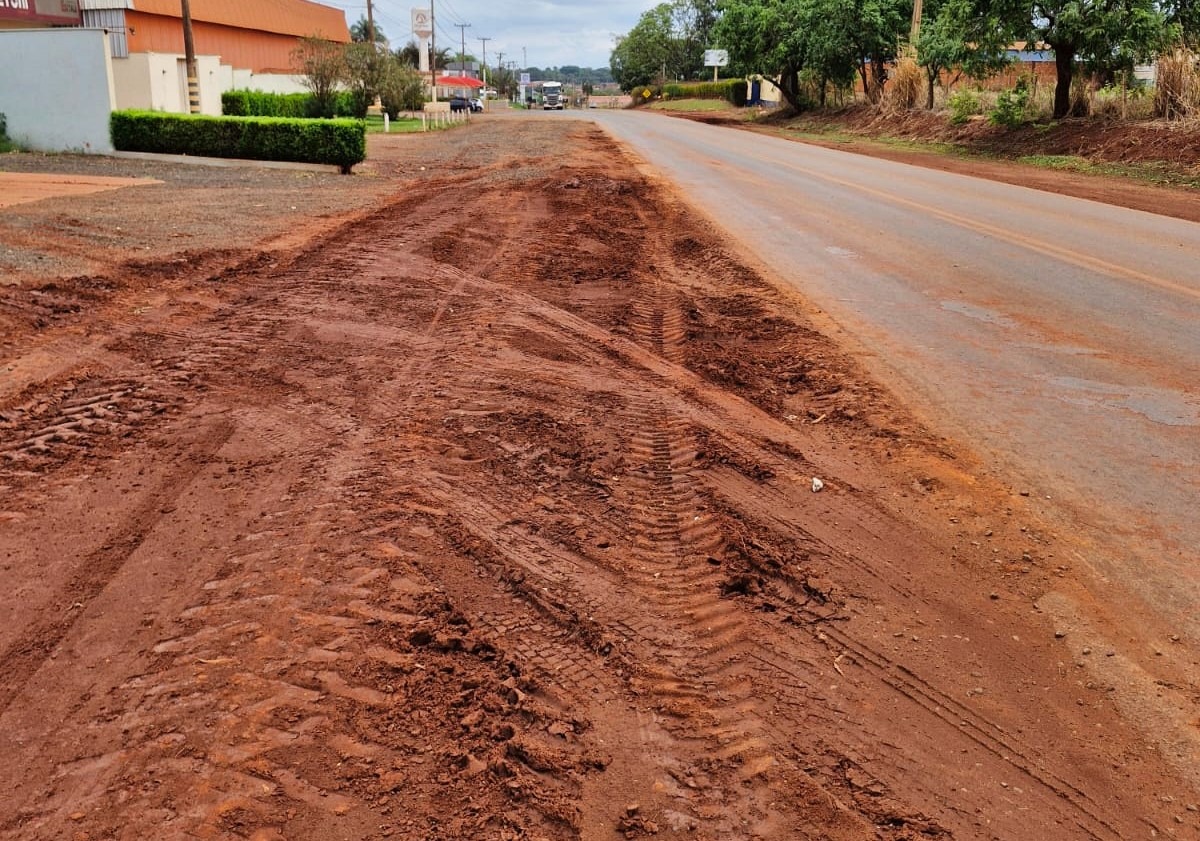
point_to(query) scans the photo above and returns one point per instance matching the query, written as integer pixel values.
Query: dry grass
(905, 86)
(1177, 94)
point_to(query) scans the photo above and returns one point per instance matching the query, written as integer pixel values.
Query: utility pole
(524, 60)
(483, 65)
(432, 55)
(189, 60)
(499, 69)
(462, 55)
(370, 25)
(915, 34)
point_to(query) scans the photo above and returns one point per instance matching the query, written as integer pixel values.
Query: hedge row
(339, 142)
(247, 103)
(733, 90)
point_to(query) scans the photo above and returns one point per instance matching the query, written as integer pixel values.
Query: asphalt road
(1057, 336)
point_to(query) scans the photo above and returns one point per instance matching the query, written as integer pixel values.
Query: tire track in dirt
(859, 542)
(26, 654)
(518, 557)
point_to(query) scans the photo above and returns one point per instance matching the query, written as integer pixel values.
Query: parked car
(476, 105)
(460, 103)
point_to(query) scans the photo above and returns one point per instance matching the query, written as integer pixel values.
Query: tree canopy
(832, 41)
(1103, 36)
(667, 43)
(360, 32)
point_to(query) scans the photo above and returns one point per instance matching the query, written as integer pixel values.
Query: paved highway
(1060, 337)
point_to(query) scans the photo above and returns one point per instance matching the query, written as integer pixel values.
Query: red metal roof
(458, 82)
(286, 17)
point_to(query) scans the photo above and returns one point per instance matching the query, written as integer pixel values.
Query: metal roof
(288, 17)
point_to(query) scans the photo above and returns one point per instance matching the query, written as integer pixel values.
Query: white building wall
(131, 82)
(158, 82)
(58, 89)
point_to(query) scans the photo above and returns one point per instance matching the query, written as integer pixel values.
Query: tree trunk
(878, 78)
(931, 74)
(1064, 67)
(789, 86)
(824, 86)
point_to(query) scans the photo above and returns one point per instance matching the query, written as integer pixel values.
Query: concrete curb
(224, 162)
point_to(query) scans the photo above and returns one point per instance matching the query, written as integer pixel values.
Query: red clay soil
(393, 534)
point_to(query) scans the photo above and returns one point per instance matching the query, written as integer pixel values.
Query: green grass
(692, 105)
(400, 126)
(1162, 174)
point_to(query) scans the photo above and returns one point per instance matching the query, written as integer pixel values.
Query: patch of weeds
(1161, 174)
(963, 105)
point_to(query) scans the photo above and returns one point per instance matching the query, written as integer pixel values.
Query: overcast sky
(553, 32)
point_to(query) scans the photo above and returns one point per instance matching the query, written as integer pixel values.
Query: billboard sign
(715, 58)
(61, 12)
(422, 22)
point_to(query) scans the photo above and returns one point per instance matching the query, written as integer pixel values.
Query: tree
(323, 65)
(410, 56)
(768, 37)
(1100, 35)
(1185, 16)
(641, 56)
(959, 36)
(364, 69)
(829, 40)
(401, 88)
(668, 42)
(360, 32)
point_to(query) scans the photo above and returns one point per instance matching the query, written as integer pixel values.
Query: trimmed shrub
(339, 142)
(346, 104)
(247, 103)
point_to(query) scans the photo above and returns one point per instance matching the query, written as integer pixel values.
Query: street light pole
(370, 25)
(189, 60)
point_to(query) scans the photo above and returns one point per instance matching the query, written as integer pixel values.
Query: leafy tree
(874, 29)
(410, 56)
(401, 88)
(364, 70)
(641, 56)
(1185, 16)
(1100, 35)
(360, 32)
(668, 42)
(770, 38)
(959, 36)
(323, 65)
(828, 40)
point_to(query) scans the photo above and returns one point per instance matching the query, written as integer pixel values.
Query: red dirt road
(398, 535)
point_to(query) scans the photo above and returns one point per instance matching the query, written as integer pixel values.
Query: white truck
(552, 96)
